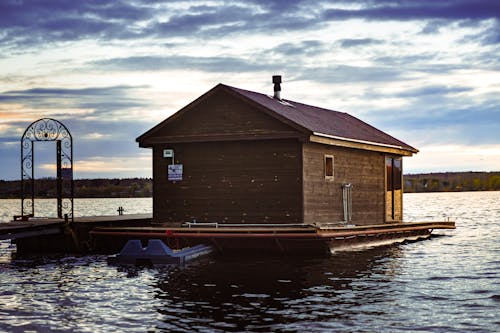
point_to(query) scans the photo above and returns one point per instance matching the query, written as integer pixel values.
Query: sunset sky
(426, 72)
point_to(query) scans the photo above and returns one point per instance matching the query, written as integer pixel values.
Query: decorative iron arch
(47, 129)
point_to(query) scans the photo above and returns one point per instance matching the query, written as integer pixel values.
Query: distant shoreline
(84, 188)
(143, 187)
(452, 182)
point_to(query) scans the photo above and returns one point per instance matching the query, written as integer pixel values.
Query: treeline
(452, 182)
(143, 187)
(84, 188)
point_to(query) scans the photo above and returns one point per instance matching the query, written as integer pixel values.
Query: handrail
(245, 225)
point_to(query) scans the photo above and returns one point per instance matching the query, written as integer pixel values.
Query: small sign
(168, 153)
(175, 172)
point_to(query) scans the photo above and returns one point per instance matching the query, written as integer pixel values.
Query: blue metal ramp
(156, 253)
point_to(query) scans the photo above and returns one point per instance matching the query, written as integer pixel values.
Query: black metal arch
(47, 129)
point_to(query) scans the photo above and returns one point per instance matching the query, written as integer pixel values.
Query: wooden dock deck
(281, 239)
(42, 235)
(33, 228)
(46, 226)
(108, 234)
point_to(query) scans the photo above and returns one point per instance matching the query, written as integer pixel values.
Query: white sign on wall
(168, 153)
(175, 172)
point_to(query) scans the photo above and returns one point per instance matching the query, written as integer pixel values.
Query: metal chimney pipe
(277, 87)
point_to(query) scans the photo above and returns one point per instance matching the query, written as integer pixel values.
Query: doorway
(393, 189)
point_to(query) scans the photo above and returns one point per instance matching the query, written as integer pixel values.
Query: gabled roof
(318, 122)
(324, 122)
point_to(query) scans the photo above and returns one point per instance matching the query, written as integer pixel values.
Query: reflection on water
(269, 294)
(446, 284)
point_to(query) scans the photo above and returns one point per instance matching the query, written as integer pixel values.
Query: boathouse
(237, 156)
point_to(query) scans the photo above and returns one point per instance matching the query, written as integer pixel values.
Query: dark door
(393, 189)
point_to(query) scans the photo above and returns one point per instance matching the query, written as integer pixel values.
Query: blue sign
(175, 172)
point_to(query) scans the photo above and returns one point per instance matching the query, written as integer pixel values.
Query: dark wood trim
(243, 136)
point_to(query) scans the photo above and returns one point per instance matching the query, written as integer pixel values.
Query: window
(329, 167)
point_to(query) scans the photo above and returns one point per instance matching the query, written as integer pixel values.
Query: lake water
(449, 283)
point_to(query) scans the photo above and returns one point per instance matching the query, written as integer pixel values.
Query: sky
(426, 72)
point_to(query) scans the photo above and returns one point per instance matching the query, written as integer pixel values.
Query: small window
(329, 167)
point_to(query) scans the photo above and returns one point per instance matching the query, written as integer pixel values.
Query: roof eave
(361, 144)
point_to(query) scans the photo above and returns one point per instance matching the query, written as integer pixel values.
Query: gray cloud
(154, 63)
(25, 23)
(353, 42)
(430, 111)
(97, 100)
(344, 74)
(434, 90)
(325, 74)
(105, 112)
(491, 36)
(434, 26)
(418, 10)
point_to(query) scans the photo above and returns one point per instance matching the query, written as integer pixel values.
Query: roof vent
(277, 87)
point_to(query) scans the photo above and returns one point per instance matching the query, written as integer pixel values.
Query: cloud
(420, 10)
(434, 90)
(306, 47)
(44, 22)
(423, 60)
(156, 63)
(90, 166)
(30, 23)
(84, 101)
(491, 36)
(103, 121)
(35, 22)
(199, 18)
(96, 136)
(353, 42)
(424, 123)
(433, 27)
(100, 147)
(458, 158)
(349, 74)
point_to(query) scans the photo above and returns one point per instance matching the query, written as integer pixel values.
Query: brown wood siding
(365, 170)
(232, 182)
(222, 115)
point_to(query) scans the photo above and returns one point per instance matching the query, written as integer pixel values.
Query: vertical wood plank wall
(231, 182)
(365, 170)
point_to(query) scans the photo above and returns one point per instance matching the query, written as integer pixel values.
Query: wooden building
(237, 156)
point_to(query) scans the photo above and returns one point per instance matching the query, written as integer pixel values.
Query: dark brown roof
(324, 122)
(308, 119)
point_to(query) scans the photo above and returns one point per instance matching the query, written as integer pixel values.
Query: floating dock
(109, 234)
(276, 238)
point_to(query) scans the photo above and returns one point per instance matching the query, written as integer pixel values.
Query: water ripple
(449, 283)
